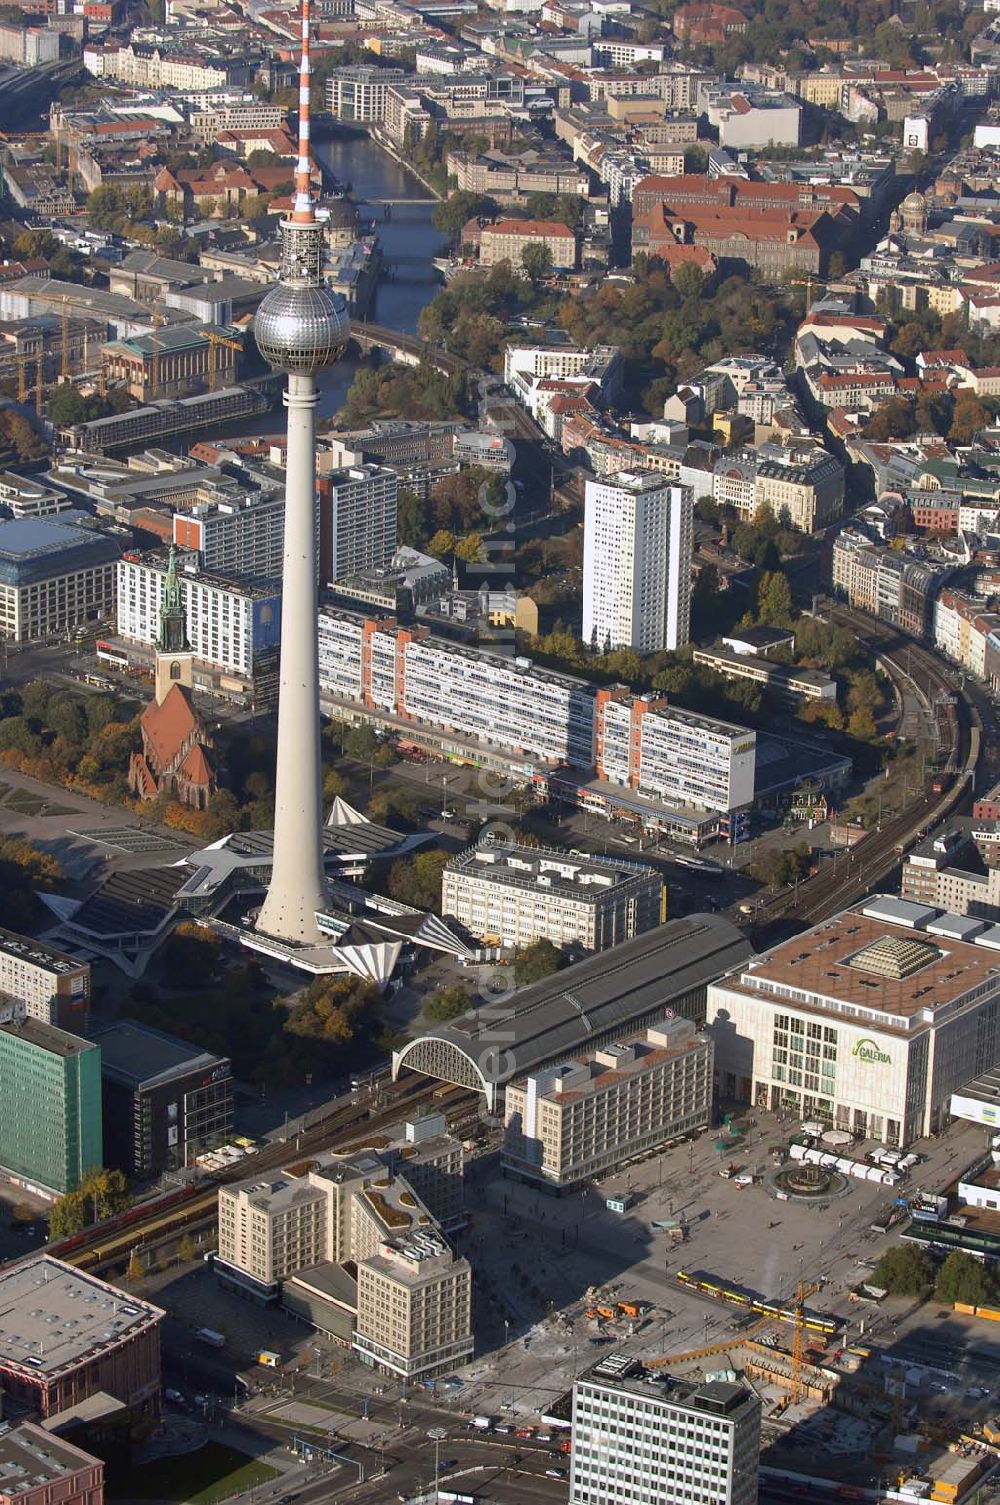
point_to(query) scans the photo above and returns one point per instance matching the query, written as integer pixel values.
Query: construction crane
(22, 379)
(154, 365)
(215, 340)
(39, 401)
(64, 341)
(713, 1348)
(799, 1337)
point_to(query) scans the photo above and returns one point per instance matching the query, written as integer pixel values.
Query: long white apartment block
(676, 756)
(504, 702)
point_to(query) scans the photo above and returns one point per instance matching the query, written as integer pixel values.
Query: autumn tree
(892, 419)
(969, 416)
(336, 1010)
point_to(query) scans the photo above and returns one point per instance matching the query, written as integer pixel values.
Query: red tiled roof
(692, 186)
(844, 321)
(195, 767)
(167, 726)
(530, 228)
(943, 358)
(562, 403)
(141, 778)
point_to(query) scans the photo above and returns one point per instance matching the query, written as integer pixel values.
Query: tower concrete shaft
(296, 888)
(300, 327)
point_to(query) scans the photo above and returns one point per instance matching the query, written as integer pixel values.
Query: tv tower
(300, 327)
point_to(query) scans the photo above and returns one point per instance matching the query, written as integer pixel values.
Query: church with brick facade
(176, 755)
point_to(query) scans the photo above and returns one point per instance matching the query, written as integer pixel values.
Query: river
(409, 242)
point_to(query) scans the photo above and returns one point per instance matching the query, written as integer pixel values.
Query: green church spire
(173, 628)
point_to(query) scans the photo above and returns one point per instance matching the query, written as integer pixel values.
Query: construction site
(863, 1397)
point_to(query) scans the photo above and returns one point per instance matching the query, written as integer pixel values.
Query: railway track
(112, 1243)
(864, 866)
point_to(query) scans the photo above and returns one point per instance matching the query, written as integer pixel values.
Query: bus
(700, 865)
(108, 653)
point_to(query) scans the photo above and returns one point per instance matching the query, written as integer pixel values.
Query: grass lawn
(200, 1478)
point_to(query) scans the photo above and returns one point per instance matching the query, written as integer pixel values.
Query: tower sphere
(301, 329)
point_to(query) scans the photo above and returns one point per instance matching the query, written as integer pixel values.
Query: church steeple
(172, 637)
(174, 658)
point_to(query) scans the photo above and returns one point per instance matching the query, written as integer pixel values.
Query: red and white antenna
(303, 212)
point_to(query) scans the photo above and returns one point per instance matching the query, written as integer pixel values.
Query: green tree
(688, 279)
(335, 786)
(933, 413)
(192, 955)
(540, 959)
(445, 1004)
(963, 1278)
(537, 261)
(417, 880)
(362, 743)
(68, 1215)
(394, 804)
(187, 1250)
(452, 213)
(67, 405)
(774, 599)
(905, 1271)
(411, 522)
(67, 718)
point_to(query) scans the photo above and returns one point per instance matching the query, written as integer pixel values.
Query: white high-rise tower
(300, 327)
(637, 539)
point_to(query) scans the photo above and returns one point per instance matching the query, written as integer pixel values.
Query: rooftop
(37, 954)
(873, 963)
(560, 873)
(715, 1397)
(142, 1056)
(608, 1067)
(33, 549)
(53, 1318)
(45, 1037)
(31, 1457)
